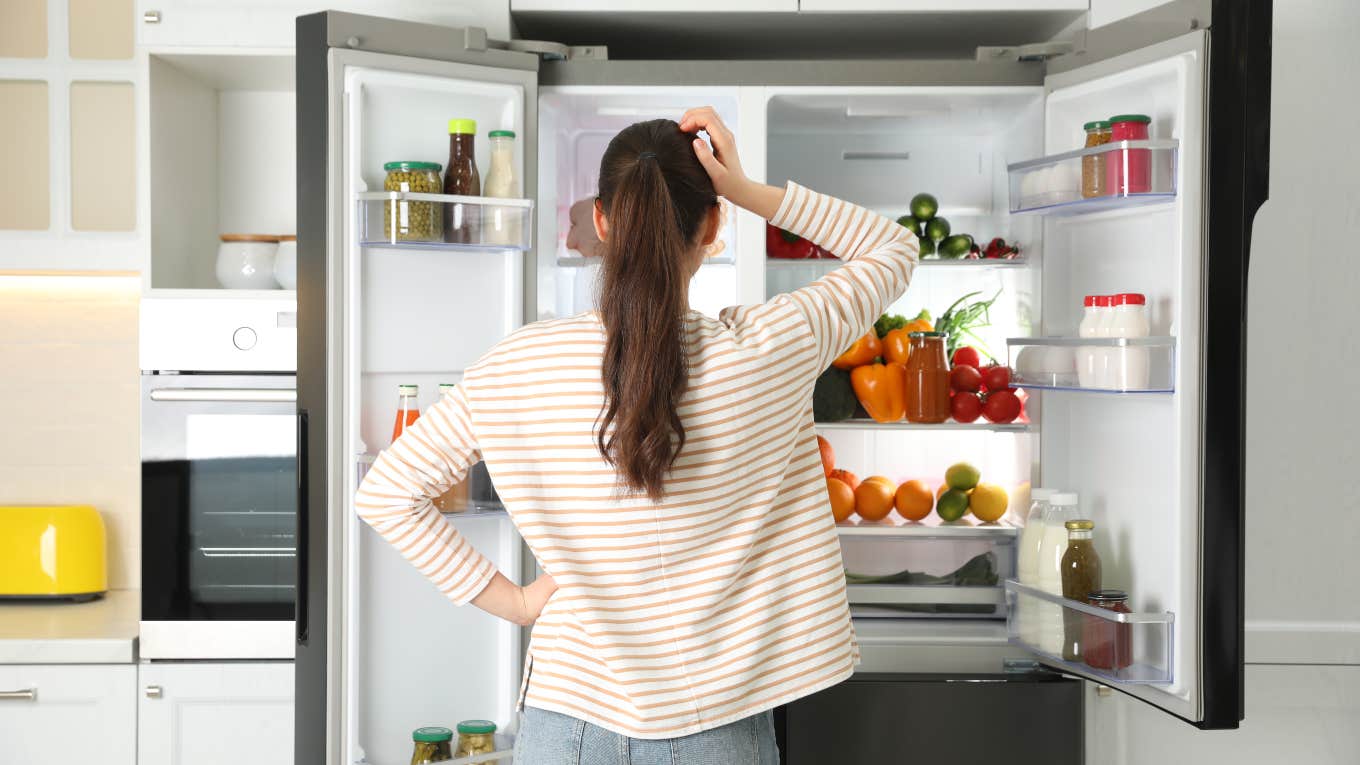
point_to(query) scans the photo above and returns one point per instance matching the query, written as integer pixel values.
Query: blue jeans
(549, 738)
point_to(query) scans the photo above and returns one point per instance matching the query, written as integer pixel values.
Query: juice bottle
(407, 409)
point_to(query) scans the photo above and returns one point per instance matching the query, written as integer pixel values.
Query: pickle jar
(1093, 165)
(406, 220)
(431, 745)
(476, 737)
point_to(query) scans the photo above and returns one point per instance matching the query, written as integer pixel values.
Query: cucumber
(956, 246)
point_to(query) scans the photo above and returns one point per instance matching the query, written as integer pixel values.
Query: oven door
(219, 516)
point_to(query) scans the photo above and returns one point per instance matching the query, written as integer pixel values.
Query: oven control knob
(243, 338)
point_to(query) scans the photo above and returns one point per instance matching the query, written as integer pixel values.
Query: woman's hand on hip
(724, 166)
(521, 605)
(536, 596)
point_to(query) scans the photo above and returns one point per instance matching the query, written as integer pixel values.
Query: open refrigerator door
(404, 286)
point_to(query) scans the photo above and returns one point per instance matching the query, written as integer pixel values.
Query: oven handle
(300, 558)
(234, 395)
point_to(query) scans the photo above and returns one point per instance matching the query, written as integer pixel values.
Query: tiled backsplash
(69, 403)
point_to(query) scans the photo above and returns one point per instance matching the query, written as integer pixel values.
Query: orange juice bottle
(407, 409)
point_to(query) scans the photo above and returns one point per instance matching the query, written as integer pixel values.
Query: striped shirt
(727, 597)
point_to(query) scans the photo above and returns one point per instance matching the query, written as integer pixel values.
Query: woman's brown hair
(655, 196)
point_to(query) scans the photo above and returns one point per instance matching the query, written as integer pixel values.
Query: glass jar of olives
(475, 737)
(413, 220)
(431, 745)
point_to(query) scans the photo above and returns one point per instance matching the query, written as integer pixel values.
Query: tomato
(966, 355)
(1001, 406)
(965, 378)
(996, 377)
(965, 407)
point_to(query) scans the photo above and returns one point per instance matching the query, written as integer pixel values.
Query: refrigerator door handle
(300, 587)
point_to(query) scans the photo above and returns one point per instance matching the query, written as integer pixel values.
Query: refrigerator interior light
(672, 112)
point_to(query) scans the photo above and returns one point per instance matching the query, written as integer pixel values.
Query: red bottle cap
(1089, 301)
(1130, 298)
(1104, 301)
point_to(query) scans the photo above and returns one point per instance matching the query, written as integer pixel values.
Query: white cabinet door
(215, 714)
(656, 6)
(53, 714)
(939, 6)
(269, 23)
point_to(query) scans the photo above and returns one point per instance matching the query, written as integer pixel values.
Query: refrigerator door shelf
(1095, 365)
(1127, 174)
(1134, 648)
(858, 423)
(407, 219)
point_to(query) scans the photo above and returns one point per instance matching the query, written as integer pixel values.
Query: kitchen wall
(1303, 491)
(69, 397)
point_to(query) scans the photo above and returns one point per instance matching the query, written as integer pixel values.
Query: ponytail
(654, 193)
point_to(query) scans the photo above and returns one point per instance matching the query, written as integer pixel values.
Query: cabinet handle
(151, 17)
(153, 691)
(27, 694)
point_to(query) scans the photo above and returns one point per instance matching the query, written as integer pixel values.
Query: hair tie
(645, 155)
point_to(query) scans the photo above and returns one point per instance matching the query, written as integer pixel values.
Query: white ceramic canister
(285, 262)
(246, 261)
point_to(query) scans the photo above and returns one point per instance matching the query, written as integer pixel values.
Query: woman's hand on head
(724, 166)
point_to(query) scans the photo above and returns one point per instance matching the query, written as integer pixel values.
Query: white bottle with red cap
(1086, 354)
(1128, 365)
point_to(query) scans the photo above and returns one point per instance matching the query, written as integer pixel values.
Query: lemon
(962, 476)
(952, 505)
(988, 502)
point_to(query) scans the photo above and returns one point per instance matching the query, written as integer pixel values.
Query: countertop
(103, 631)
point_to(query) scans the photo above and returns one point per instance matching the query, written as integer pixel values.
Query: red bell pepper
(785, 245)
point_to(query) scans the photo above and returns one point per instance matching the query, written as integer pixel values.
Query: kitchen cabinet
(56, 714)
(938, 6)
(658, 6)
(214, 714)
(257, 24)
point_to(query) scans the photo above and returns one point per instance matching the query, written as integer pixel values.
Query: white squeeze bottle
(1062, 507)
(1128, 368)
(1027, 561)
(1086, 354)
(1100, 354)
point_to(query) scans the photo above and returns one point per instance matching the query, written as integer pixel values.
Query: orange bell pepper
(897, 346)
(881, 390)
(864, 351)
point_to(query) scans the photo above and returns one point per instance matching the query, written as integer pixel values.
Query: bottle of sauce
(1128, 368)
(927, 378)
(407, 409)
(501, 225)
(1062, 507)
(1080, 578)
(462, 222)
(1093, 165)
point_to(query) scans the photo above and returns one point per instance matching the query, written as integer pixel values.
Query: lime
(937, 229)
(910, 223)
(927, 248)
(952, 505)
(961, 476)
(988, 502)
(956, 246)
(924, 206)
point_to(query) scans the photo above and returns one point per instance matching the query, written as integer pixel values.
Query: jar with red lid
(1105, 643)
(1128, 171)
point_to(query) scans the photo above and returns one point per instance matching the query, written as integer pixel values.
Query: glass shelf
(1131, 174)
(859, 423)
(1133, 648)
(1126, 365)
(468, 507)
(826, 264)
(930, 528)
(580, 261)
(412, 220)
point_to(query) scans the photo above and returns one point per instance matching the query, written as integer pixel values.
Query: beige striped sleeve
(842, 306)
(397, 497)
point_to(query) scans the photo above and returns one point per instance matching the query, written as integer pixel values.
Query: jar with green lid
(1093, 165)
(431, 745)
(476, 737)
(412, 220)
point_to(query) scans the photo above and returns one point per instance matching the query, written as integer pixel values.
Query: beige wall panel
(103, 157)
(24, 167)
(23, 28)
(100, 29)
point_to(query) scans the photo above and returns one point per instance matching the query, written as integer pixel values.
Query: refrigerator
(1159, 469)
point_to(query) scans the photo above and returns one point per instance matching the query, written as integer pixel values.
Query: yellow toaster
(52, 551)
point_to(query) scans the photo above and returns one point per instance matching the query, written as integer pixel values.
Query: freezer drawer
(875, 719)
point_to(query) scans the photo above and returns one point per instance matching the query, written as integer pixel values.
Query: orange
(842, 499)
(874, 498)
(850, 479)
(914, 500)
(828, 456)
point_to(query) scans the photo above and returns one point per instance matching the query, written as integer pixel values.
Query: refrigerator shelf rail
(416, 220)
(1094, 364)
(930, 528)
(1130, 174)
(826, 264)
(580, 261)
(1132, 648)
(860, 423)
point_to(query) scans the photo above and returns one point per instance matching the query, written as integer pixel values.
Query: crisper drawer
(949, 570)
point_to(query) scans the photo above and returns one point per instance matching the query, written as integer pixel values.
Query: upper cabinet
(270, 24)
(655, 6)
(939, 6)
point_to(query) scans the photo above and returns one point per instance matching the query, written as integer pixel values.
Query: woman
(662, 467)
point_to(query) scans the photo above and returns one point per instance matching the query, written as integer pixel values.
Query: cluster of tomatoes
(978, 391)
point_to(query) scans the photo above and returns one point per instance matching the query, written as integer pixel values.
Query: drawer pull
(153, 691)
(27, 694)
(151, 17)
